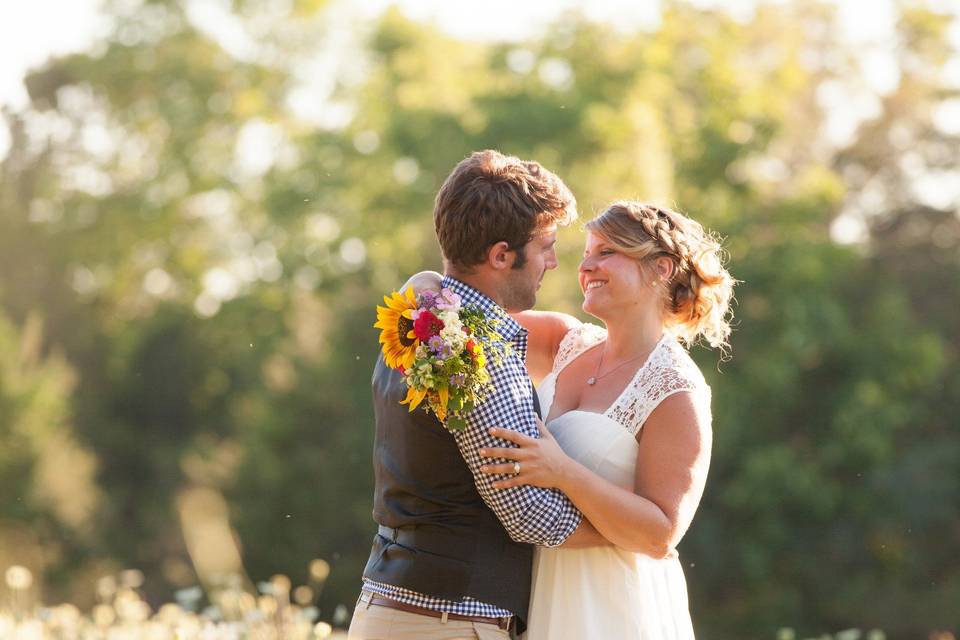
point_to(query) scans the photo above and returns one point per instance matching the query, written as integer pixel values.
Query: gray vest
(437, 536)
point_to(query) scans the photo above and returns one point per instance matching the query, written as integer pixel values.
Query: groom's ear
(501, 256)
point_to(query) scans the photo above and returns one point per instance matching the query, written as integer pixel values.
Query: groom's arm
(532, 515)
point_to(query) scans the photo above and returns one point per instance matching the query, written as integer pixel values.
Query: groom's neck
(477, 279)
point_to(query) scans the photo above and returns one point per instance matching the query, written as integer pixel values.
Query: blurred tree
(209, 263)
(139, 206)
(50, 497)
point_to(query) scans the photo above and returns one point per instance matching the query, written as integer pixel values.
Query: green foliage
(216, 305)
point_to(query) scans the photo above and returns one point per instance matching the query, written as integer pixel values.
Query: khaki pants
(373, 622)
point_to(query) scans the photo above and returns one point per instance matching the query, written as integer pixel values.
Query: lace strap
(575, 342)
(670, 371)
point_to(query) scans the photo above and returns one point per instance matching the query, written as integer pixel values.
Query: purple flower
(436, 345)
(439, 348)
(428, 299)
(458, 379)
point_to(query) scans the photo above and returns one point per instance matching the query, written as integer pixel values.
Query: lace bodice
(668, 369)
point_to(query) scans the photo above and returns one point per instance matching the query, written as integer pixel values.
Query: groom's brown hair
(490, 198)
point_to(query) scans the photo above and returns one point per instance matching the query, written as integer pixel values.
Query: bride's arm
(672, 464)
(585, 535)
(545, 330)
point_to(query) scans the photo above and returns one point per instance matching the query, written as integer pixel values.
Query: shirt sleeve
(532, 515)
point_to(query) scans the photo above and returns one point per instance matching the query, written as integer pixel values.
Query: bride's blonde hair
(698, 294)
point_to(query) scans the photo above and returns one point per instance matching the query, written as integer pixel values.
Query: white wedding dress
(606, 592)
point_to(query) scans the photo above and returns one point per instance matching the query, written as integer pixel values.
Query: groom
(452, 557)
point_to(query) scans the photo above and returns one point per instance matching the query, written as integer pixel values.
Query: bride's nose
(585, 265)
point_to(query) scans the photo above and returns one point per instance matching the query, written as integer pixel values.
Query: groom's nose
(551, 262)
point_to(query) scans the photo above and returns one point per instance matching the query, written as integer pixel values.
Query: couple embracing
(555, 511)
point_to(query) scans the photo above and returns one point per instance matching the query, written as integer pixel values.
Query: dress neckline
(616, 401)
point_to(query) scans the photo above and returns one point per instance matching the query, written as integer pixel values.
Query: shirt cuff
(558, 524)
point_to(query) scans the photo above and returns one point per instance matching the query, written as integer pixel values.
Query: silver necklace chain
(592, 380)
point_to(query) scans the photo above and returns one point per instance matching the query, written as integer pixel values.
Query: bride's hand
(423, 281)
(542, 462)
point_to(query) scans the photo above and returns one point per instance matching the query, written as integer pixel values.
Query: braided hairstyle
(698, 294)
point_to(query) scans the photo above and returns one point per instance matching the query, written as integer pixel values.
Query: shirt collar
(509, 328)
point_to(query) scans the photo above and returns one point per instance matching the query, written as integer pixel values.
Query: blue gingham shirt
(533, 515)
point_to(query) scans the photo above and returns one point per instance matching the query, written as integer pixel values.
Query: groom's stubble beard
(518, 298)
(519, 289)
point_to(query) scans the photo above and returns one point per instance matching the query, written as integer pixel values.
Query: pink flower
(448, 301)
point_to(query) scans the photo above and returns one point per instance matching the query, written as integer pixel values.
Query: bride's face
(612, 283)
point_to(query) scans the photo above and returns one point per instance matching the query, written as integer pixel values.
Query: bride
(628, 433)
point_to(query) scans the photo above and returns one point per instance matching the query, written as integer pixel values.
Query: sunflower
(396, 324)
(416, 396)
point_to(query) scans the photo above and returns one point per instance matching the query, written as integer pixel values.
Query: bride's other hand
(542, 462)
(423, 281)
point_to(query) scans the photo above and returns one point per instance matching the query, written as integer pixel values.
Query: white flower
(451, 320)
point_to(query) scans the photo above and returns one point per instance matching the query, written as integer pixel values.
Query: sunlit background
(202, 201)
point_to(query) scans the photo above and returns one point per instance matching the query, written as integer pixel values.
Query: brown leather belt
(380, 601)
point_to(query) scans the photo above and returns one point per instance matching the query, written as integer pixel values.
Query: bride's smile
(593, 284)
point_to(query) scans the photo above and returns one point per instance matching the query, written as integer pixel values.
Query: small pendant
(591, 381)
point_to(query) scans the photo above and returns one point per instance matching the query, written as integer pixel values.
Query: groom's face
(521, 283)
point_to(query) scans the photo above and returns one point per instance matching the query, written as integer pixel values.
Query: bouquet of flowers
(441, 346)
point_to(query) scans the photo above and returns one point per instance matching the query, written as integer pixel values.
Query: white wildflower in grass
(123, 614)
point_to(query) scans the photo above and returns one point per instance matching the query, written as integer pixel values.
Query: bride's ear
(664, 268)
(500, 256)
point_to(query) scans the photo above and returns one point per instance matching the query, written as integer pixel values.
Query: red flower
(426, 326)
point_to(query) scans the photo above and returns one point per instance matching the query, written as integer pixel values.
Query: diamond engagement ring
(516, 468)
